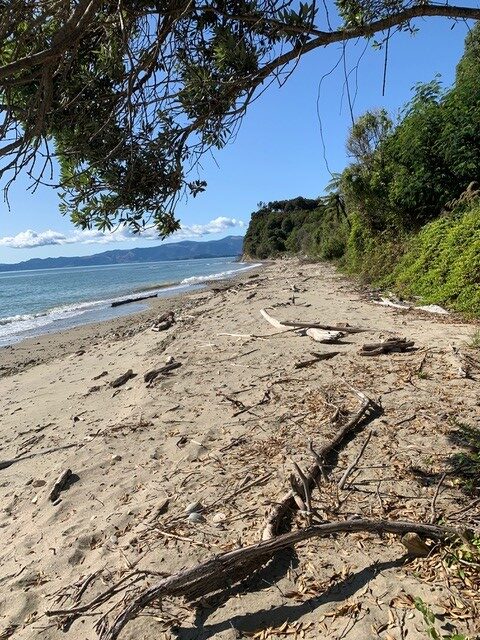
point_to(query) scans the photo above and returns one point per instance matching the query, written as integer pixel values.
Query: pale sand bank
(179, 439)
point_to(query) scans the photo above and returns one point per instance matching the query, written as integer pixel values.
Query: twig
(349, 469)
(433, 513)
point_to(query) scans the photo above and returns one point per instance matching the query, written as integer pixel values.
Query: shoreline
(38, 349)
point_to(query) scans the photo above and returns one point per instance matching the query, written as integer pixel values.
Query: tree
(129, 94)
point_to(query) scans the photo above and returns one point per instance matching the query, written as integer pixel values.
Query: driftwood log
(313, 331)
(223, 570)
(150, 376)
(119, 303)
(121, 380)
(390, 345)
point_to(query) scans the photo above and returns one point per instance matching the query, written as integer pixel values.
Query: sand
(133, 448)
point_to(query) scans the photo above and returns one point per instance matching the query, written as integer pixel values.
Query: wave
(218, 276)
(12, 326)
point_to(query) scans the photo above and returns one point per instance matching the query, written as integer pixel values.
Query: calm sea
(42, 301)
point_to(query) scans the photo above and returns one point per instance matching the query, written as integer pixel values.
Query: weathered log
(223, 570)
(390, 345)
(60, 484)
(154, 373)
(119, 303)
(125, 377)
(307, 325)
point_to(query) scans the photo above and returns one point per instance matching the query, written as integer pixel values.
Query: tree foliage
(129, 94)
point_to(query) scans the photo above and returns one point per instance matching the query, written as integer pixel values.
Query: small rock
(35, 500)
(194, 507)
(194, 516)
(218, 519)
(115, 458)
(39, 483)
(415, 545)
(170, 360)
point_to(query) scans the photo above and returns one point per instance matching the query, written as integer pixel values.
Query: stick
(349, 469)
(433, 513)
(60, 484)
(287, 503)
(220, 571)
(125, 377)
(150, 376)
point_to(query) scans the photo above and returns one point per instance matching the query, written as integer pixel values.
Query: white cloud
(29, 239)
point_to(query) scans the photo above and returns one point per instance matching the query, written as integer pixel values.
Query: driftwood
(325, 327)
(287, 503)
(150, 376)
(317, 334)
(223, 570)
(119, 303)
(60, 484)
(125, 377)
(390, 345)
(164, 322)
(318, 357)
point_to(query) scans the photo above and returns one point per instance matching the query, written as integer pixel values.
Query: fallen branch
(318, 358)
(313, 331)
(287, 503)
(390, 345)
(223, 570)
(121, 380)
(150, 376)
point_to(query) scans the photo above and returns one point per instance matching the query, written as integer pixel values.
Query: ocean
(48, 300)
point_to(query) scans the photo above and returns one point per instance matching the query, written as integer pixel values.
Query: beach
(224, 429)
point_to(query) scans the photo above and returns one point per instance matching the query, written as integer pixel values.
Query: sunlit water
(41, 301)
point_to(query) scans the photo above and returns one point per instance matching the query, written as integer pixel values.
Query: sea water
(46, 300)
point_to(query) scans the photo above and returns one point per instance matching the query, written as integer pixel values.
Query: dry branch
(287, 503)
(60, 484)
(221, 571)
(314, 331)
(150, 376)
(390, 345)
(125, 377)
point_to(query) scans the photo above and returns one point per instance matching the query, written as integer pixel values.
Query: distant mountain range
(184, 250)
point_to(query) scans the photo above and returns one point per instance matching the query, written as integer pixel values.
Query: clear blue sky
(278, 152)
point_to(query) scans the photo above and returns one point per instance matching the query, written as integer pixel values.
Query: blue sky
(277, 154)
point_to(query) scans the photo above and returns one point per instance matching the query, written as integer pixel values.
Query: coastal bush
(442, 264)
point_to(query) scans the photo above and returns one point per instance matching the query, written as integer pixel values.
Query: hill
(184, 250)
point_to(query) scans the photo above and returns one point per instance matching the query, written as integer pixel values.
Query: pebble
(170, 360)
(194, 506)
(39, 483)
(194, 516)
(218, 519)
(116, 458)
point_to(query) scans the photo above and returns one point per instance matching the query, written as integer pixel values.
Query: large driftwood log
(119, 303)
(287, 503)
(223, 570)
(313, 331)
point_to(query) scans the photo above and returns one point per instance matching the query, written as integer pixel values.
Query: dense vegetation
(128, 95)
(406, 212)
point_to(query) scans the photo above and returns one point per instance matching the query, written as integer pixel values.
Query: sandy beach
(224, 429)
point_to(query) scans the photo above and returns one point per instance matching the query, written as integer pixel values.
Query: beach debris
(394, 302)
(160, 510)
(119, 303)
(150, 376)
(294, 324)
(121, 380)
(115, 458)
(195, 516)
(93, 389)
(317, 357)
(464, 363)
(39, 483)
(170, 360)
(219, 519)
(414, 545)
(60, 484)
(321, 335)
(433, 308)
(194, 507)
(164, 322)
(100, 375)
(390, 345)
